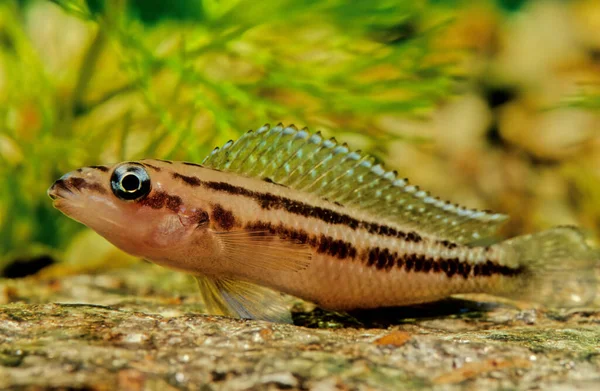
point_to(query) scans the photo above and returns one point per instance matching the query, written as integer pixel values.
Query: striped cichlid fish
(283, 210)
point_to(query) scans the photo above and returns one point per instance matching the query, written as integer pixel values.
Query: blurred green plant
(586, 100)
(98, 81)
(89, 82)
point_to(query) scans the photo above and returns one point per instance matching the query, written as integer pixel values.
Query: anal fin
(242, 299)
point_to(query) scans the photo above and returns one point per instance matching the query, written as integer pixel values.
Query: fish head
(135, 207)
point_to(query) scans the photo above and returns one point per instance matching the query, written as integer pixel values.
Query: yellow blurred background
(490, 104)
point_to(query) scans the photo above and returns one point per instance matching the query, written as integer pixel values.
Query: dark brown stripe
(321, 243)
(192, 164)
(189, 180)
(155, 168)
(76, 182)
(448, 244)
(269, 180)
(200, 218)
(384, 258)
(426, 262)
(223, 217)
(80, 184)
(270, 201)
(464, 269)
(61, 185)
(164, 161)
(160, 199)
(381, 259)
(100, 168)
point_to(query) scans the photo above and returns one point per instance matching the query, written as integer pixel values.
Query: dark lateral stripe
(164, 161)
(155, 168)
(160, 199)
(269, 180)
(190, 180)
(224, 218)
(192, 164)
(321, 243)
(80, 184)
(61, 185)
(385, 259)
(100, 168)
(270, 201)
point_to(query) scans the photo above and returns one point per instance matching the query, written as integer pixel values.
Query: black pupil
(130, 183)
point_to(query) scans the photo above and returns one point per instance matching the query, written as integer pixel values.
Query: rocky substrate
(142, 328)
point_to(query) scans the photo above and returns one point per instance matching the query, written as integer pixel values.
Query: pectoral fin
(264, 250)
(241, 299)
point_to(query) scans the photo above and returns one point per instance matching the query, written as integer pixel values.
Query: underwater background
(491, 104)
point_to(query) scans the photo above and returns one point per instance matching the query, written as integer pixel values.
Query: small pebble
(285, 379)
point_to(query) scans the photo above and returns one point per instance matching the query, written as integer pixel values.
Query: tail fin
(560, 268)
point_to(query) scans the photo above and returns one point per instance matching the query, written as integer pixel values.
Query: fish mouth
(70, 185)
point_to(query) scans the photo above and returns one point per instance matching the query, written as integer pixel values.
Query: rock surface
(142, 328)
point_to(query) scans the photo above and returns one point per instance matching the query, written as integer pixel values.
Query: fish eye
(130, 181)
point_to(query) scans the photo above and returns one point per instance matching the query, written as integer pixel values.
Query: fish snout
(60, 188)
(86, 178)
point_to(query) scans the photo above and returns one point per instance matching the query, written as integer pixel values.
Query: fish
(285, 212)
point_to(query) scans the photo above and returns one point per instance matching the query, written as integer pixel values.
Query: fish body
(283, 210)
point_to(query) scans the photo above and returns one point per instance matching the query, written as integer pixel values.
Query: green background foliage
(91, 82)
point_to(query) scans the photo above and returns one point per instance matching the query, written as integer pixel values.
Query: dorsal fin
(310, 163)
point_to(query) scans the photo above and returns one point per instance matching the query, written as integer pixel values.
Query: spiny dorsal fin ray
(311, 163)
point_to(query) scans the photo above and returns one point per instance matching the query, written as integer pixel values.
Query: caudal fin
(560, 268)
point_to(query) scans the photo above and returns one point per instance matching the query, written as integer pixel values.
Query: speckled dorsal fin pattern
(311, 163)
